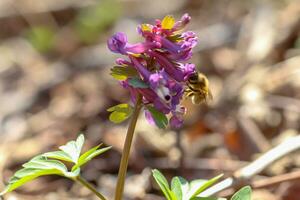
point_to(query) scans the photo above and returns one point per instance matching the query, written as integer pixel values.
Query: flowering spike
(153, 68)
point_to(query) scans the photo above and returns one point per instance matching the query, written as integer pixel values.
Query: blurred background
(55, 83)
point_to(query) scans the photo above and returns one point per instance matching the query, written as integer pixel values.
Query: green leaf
(194, 186)
(121, 73)
(243, 194)
(176, 188)
(89, 155)
(36, 167)
(206, 185)
(40, 162)
(185, 187)
(45, 164)
(137, 83)
(120, 112)
(160, 119)
(60, 155)
(163, 184)
(73, 148)
(25, 175)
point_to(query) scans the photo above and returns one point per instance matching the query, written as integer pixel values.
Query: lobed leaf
(120, 112)
(36, 167)
(73, 148)
(60, 155)
(45, 164)
(40, 162)
(89, 155)
(25, 175)
(160, 119)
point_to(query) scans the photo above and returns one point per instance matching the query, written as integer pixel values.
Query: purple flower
(189, 40)
(169, 67)
(169, 91)
(161, 75)
(176, 120)
(149, 117)
(185, 19)
(187, 69)
(118, 43)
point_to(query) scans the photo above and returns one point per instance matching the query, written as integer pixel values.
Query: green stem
(90, 187)
(126, 150)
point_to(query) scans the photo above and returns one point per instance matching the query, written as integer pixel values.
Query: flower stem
(90, 187)
(126, 150)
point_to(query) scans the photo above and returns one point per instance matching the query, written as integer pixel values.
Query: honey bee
(198, 88)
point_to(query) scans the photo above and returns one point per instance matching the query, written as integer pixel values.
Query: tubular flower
(154, 70)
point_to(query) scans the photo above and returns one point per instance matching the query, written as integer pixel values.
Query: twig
(253, 133)
(286, 103)
(267, 182)
(257, 166)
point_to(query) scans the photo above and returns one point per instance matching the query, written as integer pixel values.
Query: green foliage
(89, 155)
(205, 185)
(243, 194)
(59, 155)
(50, 164)
(160, 118)
(137, 83)
(120, 112)
(92, 21)
(181, 189)
(163, 184)
(73, 148)
(121, 73)
(41, 37)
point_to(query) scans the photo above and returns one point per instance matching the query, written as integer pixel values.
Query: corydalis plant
(155, 73)
(155, 69)
(52, 163)
(181, 189)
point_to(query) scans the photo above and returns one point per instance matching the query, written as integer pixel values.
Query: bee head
(193, 78)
